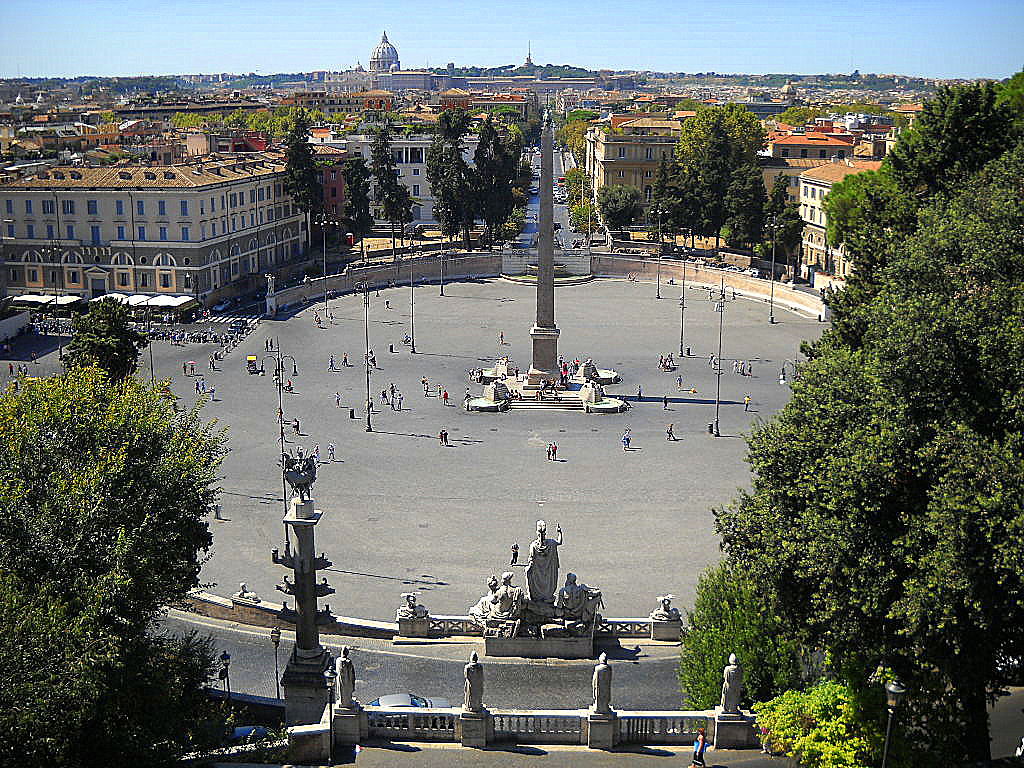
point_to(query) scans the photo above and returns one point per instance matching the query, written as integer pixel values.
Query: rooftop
(833, 172)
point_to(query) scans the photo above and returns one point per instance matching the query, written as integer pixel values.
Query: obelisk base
(305, 689)
(545, 356)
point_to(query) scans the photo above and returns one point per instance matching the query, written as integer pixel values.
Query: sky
(931, 38)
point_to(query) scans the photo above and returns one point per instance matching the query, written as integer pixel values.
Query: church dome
(384, 57)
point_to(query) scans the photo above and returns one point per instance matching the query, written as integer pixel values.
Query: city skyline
(938, 39)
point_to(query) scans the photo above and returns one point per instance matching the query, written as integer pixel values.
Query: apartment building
(819, 146)
(629, 152)
(815, 184)
(207, 228)
(335, 103)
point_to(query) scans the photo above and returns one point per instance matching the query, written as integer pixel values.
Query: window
(28, 207)
(10, 230)
(803, 153)
(9, 206)
(184, 207)
(143, 280)
(68, 207)
(33, 275)
(71, 231)
(259, 194)
(622, 151)
(234, 267)
(94, 231)
(140, 207)
(14, 275)
(648, 154)
(161, 208)
(415, 171)
(647, 174)
(213, 204)
(234, 226)
(47, 207)
(252, 196)
(165, 280)
(223, 202)
(142, 233)
(30, 231)
(92, 207)
(119, 207)
(49, 231)
(334, 190)
(213, 227)
(233, 200)
(184, 233)
(122, 279)
(621, 174)
(202, 231)
(415, 189)
(784, 152)
(334, 175)
(120, 232)
(163, 233)
(73, 276)
(821, 153)
(252, 219)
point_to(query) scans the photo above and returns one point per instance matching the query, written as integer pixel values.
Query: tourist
(330, 366)
(391, 390)
(746, 403)
(426, 386)
(664, 402)
(639, 393)
(330, 452)
(384, 397)
(295, 426)
(344, 361)
(337, 399)
(213, 393)
(669, 433)
(184, 369)
(316, 452)
(387, 304)
(445, 396)
(549, 451)
(700, 746)
(679, 382)
(197, 386)
(625, 440)
(554, 452)
(398, 401)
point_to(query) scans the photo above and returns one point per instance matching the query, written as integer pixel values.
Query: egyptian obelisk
(544, 332)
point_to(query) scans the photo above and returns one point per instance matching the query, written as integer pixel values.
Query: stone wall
(608, 265)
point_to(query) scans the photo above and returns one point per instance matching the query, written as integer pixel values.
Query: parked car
(409, 700)
(244, 734)
(221, 305)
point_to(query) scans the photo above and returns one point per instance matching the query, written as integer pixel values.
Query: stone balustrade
(412, 723)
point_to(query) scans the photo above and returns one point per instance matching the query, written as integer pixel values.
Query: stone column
(544, 332)
(305, 689)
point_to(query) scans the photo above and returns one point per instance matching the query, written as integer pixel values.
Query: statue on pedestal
(244, 593)
(578, 602)
(300, 472)
(411, 610)
(346, 679)
(542, 567)
(602, 685)
(666, 612)
(732, 686)
(474, 673)
(482, 610)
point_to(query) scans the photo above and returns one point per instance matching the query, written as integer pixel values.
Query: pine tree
(302, 179)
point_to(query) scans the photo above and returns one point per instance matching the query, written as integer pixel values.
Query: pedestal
(475, 729)
(666, 630)
(414, 627)
(305, 690)
(540, 647)
(734, 730)
(350, 725)
(602, 730)
(545, 354)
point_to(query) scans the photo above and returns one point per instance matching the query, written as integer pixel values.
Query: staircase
(547, 404)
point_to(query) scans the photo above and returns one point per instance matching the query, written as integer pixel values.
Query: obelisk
(544, 332)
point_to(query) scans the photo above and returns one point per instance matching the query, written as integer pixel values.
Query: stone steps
(549, 404)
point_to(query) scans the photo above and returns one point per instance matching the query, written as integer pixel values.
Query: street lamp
(275, 638)
(322, 221)
(278, 361)
(772, 222)
(894, 693)
(225, 664)
(658, 292)
(412, 306)
(720, 308)
(442, 265)
(366, 356)
(682, 311)
(330, 676)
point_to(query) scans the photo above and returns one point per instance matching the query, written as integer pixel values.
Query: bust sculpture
(411, 610)
(732, 686)
(346, 679)
(602, 684)
(578, 602)
(474, 673)
(666, 612)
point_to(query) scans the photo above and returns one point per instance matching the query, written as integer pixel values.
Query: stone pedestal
(414, 627)
(541, 647)
(475, 729)
(602, 730)
(545, 354)
(734, 730)
(350, 725)
(666, 630)
(305, 690)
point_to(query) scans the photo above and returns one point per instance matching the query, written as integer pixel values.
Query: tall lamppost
(275, 638)
(682, 312)
(322, 221)
(442, 267)
(720, 308)
(894, 693)
(657, 210)
(225, 675)
(412, 306)
(330, 677)
(278, 360)
(366, 356)
(772, 222)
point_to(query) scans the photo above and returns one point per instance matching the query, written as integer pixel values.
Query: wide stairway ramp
(562, 403)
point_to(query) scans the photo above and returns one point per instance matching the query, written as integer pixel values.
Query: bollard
(688, 352)
(351, 413)
(391, 348)
(711, 428)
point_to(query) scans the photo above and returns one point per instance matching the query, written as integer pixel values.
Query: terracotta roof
(833, 172)
(810, 140)
(327, 149)
(651, 122)
(793, 162)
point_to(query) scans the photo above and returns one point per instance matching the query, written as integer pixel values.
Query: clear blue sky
(938, 38)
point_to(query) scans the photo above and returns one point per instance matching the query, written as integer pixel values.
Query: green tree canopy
(103, 336)
(357, 197)
(620, 205)
(104, 496)
(302, 178)
(495, 170)
(452, 181)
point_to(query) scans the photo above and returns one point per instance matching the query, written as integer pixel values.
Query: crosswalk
(250, 317)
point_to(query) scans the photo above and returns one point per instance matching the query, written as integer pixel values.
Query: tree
(495, 171)
(451, 180)
(888, 495)
(958, 132)
(103, 336)
(1011, 93)
(104, 495)
(745, 200)
(572, 136)
(301, 177)
(620, 205)
(583, 217)
(357, 199)
(731, 615)
(385, 173)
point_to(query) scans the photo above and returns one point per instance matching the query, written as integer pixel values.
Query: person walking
(639, 393)
(330, 366)
(679, 383)
(398, 401)
(295, 426)
(316, 452)
(344, 361)
(337, 399)
(746, 403)
(330, 452)
(625, 440)
(549, 451)
(445, 396)
(664, 402)
(184, 369)
(700, 746)
(426, 386)
(554, 452)
(670, 435)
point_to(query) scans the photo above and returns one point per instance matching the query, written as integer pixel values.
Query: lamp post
(330, 676)
(412, 306)
(658, 292)
(322, 220)
(366, 356)
(275, 638)
(278, 361)
(682, 311)
(720, 308)
(894, 693)
(225, 675)
(771, 297)
(442, 267)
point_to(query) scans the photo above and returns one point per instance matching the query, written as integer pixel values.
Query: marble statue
(244, 593)
(578, 602)
(602, 683)
(732, 686)
(474, 672)
(300, 472)
(346, 679)
(411, 610)
(480, 612)
(542, 567)
(666, 612)
(270, 284)
(507, 601)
